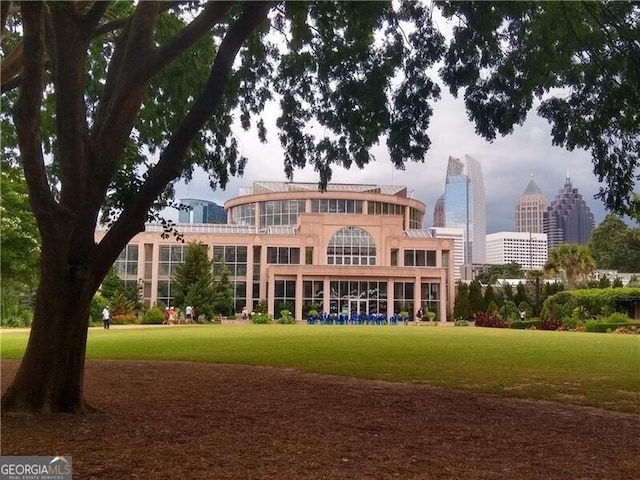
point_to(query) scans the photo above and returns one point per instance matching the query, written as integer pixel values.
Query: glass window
(349, 243)
(409, 258)
(283, 255)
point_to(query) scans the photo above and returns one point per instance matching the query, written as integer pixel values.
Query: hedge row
(594, 302)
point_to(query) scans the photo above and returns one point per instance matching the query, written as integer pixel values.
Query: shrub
(461, 323)
(627, 330)
(550, 324)
(483, 319)
(594, 301)
(286, 318)
(97, 305)
(604, 327)
(508, 311)
(22, 318)
(261, 318)
(153, 316)
(123, 319)
(527, 324)
(262, 307)
(312, 313)
(404, 314)
(617, 318)
(121, 306)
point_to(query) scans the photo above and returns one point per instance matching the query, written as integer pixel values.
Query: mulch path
(202, 421)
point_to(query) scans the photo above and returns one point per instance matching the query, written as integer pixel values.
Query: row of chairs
(357, 319)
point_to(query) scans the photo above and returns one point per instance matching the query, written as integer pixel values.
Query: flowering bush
(491, 320)
(550, 324)
(626, 330)
(126, 319)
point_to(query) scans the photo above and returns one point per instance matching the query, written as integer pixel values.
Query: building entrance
(358, 306)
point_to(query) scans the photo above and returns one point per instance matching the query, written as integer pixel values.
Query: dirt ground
(202, 421)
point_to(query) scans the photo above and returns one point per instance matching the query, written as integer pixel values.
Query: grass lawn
(601, 370)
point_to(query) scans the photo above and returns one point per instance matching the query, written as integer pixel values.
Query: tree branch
(96, 12)
(70, 45)
(27, 118)
(126, 81)
(212, 14)
(170, 166)
(5, 8)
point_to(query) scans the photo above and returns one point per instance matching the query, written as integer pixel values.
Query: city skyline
(507, 165)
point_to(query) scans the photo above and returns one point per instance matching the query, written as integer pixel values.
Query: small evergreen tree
(492, 308)
(617, 283)
(119, 305)
(461, 307)
(201, 296)
(604, 282)
(196, 269)
(508, 311)
(262, 306)
(113, 285)
(476, 302)
(507, 292)
(490, 296)
(223, 303)
(521, 295)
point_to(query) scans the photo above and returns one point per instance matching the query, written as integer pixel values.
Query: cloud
(506, 162)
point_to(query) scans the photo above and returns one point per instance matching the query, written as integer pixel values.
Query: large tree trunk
(50, 377)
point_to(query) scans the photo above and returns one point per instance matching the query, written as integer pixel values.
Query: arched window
(351, 246)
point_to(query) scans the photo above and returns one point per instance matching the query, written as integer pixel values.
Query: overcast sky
(507, 164)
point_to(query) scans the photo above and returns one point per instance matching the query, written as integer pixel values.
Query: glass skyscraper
(465, 205)
(201, 211)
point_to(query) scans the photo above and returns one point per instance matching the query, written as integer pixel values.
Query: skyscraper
(568, 219)
(201, 211)
(439, 219)
(530, 209)
(465, 208)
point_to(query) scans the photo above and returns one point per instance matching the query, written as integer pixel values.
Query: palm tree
(573, 261)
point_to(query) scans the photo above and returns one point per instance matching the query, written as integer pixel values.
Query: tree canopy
(571, 260)
(577, 62)
(615, 245)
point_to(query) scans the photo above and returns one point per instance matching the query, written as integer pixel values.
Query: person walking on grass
(106, 318)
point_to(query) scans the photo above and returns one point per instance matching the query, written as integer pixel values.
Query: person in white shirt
(106, 318)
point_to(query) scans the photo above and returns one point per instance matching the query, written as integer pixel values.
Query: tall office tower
(465, 205)
(530, 209)
(438, 213)
(568, 219)
(201, 211)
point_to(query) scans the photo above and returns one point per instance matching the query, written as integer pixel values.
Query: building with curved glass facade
(355, 248)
